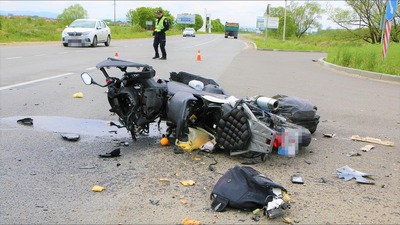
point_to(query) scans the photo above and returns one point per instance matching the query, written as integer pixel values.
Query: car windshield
(189, 29)
(83, 24)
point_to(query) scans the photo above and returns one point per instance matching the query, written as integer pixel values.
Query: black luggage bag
(298, 111)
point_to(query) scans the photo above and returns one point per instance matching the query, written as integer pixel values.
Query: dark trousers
(160, 40)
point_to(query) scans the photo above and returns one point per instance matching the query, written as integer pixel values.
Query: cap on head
(159, 12)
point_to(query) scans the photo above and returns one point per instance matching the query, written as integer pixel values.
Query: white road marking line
(41, 55)
(35, 81)
(18, 57)
(91, 68)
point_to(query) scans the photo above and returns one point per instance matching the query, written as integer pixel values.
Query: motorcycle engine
(152, 102)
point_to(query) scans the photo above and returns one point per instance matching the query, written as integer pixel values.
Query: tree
(291, 27)
(305, 16)
(72, 13)
(364, 19)
(143, 14)
(217, 26)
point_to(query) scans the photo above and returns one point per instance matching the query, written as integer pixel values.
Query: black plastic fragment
(26, 121)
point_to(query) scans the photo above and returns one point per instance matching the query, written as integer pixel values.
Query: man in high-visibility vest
(162, 25)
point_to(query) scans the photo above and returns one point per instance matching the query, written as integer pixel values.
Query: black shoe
(163, 58)
(156, 57)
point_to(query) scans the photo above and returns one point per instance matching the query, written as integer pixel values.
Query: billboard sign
(185, 19)
(273, 22)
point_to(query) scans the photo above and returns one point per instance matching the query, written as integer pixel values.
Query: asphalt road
(45, 179)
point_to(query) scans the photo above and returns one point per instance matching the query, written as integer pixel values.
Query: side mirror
(87, 79)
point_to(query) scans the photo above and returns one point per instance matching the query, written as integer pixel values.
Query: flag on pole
(386, 39)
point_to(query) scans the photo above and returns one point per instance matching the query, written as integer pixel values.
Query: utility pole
(284, 23)
(266, 26)
(114, 11)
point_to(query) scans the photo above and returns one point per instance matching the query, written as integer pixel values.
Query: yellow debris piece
(97, 188)
(78, 95)
(188, 182)
(188, 221)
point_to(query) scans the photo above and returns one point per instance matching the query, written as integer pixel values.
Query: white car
(86, 32)
(189, 32)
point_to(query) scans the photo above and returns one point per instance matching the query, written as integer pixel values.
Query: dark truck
(231, 29)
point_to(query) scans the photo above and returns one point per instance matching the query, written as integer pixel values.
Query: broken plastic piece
(367, 148)
(372, 140)
(97, 188)
(350, 154)
(188, 182)
(197, 137)
(70, 137)
(26, 121)
(114, 153)
(78, 95)
(188, 221)
(329, 135)
(348, 173)
(297, 179)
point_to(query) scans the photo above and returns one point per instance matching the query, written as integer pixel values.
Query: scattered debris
(350, 154)
(367, 148)
(113, 153)
(78, 95)
(114, 124)
(188, 221)
(287, 220)
(308, 162)
(209, 146)
(26, 121)
(256, 218)
(256, 211)
(322, 180)
(97, 188)
(154, 202)
(372, 140)
(164, 179)
(70, 137)
(297, 179)
(183, 201)
(86, 167)
(329, 135)
(188, 182)
(178, 150)
(348, 173)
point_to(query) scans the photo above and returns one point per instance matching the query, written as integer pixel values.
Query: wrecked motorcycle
(186, 101)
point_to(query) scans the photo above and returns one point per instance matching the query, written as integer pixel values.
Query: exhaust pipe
(267, 103)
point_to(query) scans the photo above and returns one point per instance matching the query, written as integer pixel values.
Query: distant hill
(29, 13)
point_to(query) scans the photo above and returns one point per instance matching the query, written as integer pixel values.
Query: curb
(362, 73)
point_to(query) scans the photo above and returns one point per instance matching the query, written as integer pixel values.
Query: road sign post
(391, 8)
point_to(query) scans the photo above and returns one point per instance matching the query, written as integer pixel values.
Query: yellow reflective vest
(160, 24)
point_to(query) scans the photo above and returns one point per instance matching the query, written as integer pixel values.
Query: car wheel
(107, 43)
(65, 44)
(94, 43)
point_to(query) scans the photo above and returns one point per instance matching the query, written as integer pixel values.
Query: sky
(243, 12)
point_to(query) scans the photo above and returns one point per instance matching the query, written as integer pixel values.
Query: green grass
(341, 50)
(341, 47)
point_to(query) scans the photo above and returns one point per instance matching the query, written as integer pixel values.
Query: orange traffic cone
(198, 56)
(116, 55)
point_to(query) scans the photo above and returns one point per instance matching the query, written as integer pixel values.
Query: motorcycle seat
(174, 87)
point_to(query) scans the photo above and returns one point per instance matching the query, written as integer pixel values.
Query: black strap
(219, 203)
